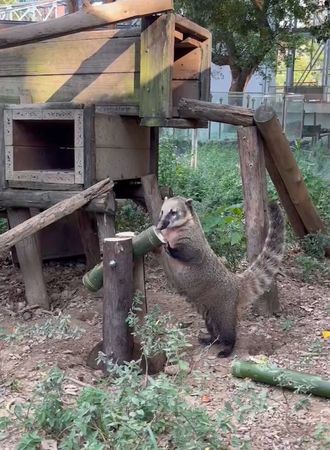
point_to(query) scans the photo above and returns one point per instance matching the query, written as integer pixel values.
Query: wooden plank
(42, 176)
(80, 56)
(89, 146)
(234, 115)
(118, 299)
(43, 199)
(122, 163)
(189, 43)
(253, 174)
(118, 110)
(185, 89)
(28, 254)
(86, 18)
(279, 148)
(2, 150)
(157, 56)
(187, 66)
(205, 75)
(40, 185)
(61, 209)
(120, 132)
(104, 88)
(44, 106)
(172, 123)
(190, 28)
(178, 36)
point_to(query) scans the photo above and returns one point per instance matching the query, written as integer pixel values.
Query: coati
(198, 274)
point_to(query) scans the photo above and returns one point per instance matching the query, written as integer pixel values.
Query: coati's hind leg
(222, 330)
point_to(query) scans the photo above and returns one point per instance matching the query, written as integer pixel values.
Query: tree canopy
(249, 33)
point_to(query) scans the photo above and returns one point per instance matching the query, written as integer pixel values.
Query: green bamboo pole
(300, 382)
(142, 243)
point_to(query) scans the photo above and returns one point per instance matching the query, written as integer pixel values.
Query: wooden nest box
(94, 99)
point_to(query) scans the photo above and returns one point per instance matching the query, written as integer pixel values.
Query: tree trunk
(239, 81)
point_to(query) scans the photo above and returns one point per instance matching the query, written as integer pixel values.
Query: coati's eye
(173, 212)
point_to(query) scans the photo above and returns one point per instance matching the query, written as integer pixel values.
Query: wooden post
(29, 258)
(154, 151)
(152, 196)
(89, 238)
(279, 148)
(118, 298)
(2, 150)
(253, 175)
(194, 148)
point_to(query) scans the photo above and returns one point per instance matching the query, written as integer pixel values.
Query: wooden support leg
(89, 238)
(105, 227)
(118, 298)
(152, 196)
(28, 254)
(253, 175)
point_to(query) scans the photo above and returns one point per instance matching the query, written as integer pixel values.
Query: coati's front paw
(224, 353)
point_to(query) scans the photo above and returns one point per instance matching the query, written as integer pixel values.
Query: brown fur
(199, 275)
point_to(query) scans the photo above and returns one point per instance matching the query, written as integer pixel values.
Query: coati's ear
(165, 198)
(189, 203)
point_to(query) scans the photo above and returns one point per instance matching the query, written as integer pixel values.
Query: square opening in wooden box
(44, 146)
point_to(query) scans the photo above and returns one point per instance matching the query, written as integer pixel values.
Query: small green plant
(311, 269)
(287, 324)
(131, 217)
(3, 226)
(58, 327)
(314, 245)
(322, 434)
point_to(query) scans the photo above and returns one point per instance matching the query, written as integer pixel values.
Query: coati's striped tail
(258, 277)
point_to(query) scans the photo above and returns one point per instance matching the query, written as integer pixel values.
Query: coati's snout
(175, 213)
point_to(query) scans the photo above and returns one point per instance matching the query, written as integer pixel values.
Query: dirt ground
(292, 340)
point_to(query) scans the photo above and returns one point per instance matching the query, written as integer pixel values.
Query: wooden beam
(190, 28)
(89, 238)
(2, 150)
(279, 148)
(23, 198)
(294, 218)
(189, 43)
(253, 173)
(29, 258)
(196, 109)
(172, 123)
(89, 170)
(157, 56)
(54, 213)
(178, 36)
(118, 298)
(84, 19)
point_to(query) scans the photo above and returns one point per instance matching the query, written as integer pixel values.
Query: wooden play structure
(85, 131)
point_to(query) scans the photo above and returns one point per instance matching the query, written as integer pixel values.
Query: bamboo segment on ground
(279, 148)
(289, 379)
(84, 19)
(54, 213)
